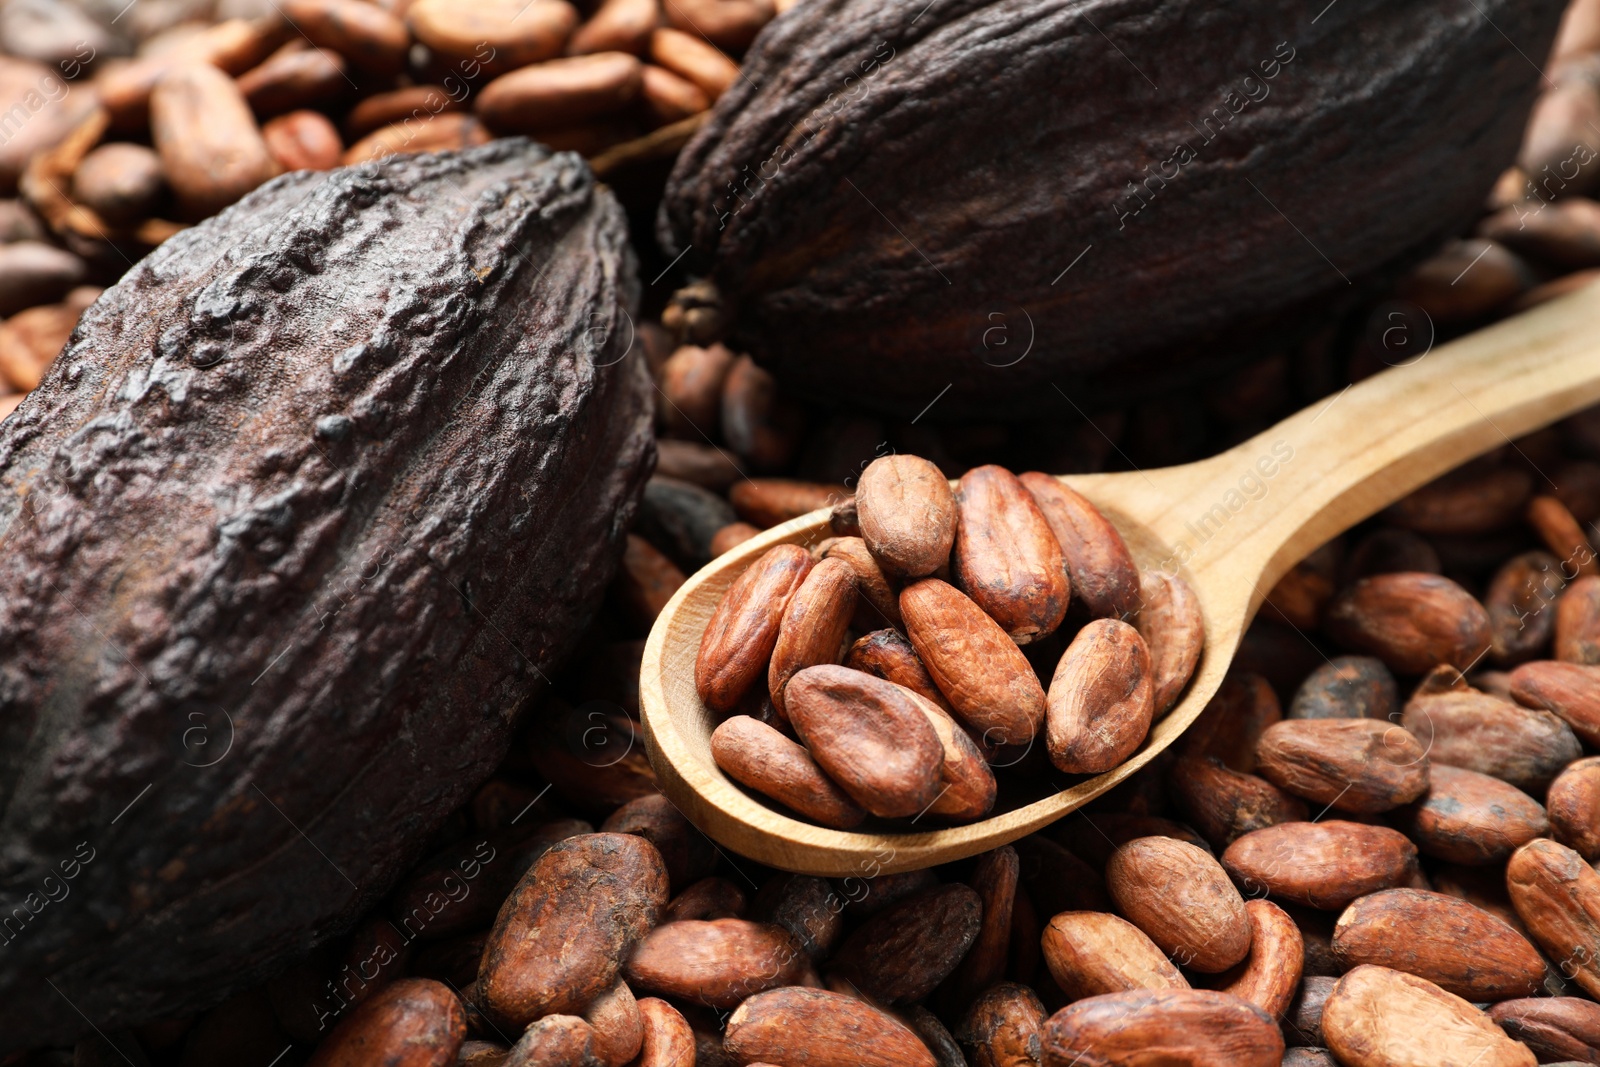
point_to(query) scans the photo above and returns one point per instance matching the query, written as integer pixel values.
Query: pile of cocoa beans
(911, 723)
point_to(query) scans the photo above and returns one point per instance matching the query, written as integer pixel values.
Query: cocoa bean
(577, 751)
(1574, 804)
(709, 898)
(1563, 535)
(495, 36)
(1090, 953)
(30, 341)
(1375, 1017)
(989, 683)
(1058, 881)
(1270, 975)
(1355, 765)
(1497, 276)
(813, 626)
(411, 1023)
(1169, 620)
(211, 149)
(1471, 818)
(1303, 1023)
(1557, 128)
(1569, 690)
(743, 631)
(556, 1041)
(645, 582)
(617, 26)
(559, 92)
(871, 895)
(52, 110)
(120, 182)
(618, 1026)
(758, 756)
(232, 46)
(303, 140)
(1482, 733)
(1577, 637)
(1478, 498)
(870, 736)
(1301, 596)
(368, 36)
(691, 390)
(1002, 1028)
(1347, 687)
(901, 954)
(994, 879)
(967, 786)
(428, 133)
(1190, 1026)
(1096, 838)
(717, 963)
(1460, 948)
(563, 935)
(1233, 722)
(1101, 699)
(888, 655)
(1557, 1029)
(414, 102)
(1006, 558)
(1565, 233)
(1104, 577)
(1557, 897)
(729, 24)
(1520, 600)
(1388, 550)
(805, 906)
(1182, 898)
(879, 604)
(907, 514)
(1225, 804)
(682, 519)
(294, 78)
(758, 424)
(668, 98)
(688, 854)
(1412, 622)
(693, 60)
(766, 502)
(668, 1041)
(1321, 864)
(827, 1029)
(700, 464)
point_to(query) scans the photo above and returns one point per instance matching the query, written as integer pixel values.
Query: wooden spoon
(1227, 525)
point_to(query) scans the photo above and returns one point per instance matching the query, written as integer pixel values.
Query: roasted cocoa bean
(742, 632)
(907, 514)
(1101, 699)
(211, 150)
(758, 756)
(902, 953)
(1376, 1016)
(1557, 897)
(1170, 622)
(1270, 975)
(828, 1029)
(1002, 1027)
(1180, 896)
(1091, 952)
(1574, 806)
(412, 1023)
(1347, 687)
(1412, 622)
(1104, 577)
(1577, 636)
(559, 92)
(1557, 1029)
(303, 140)
(1005, 556)
(1191, 1026)
(1568, 690)
(1471, 818)
(1478, 732)
(1320, 864)
(1224, 804)
(718, 963)
(1356, 765)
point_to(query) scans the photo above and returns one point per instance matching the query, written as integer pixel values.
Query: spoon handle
(1253, 511)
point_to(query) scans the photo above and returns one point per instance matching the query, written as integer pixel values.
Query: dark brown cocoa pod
(1462, 949)
(1521, 605)
(1465, 728)
(427, 565)
(1413, 622)
(1557, 1029)
(1347, 687)
(563, 935)
(718, 963)
(1190, 1026)
(1002, 1027)
(1574, 805)
(754, 211)
(1568, 690)
(1224, 804)
(1577, 636)
(1471, 818)
(901, 954)
(1357, 765)
(412, 1023)
(1104, 577)
(1320, 864)
(688, 853)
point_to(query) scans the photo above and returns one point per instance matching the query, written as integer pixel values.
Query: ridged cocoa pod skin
(1557, 1029)
(1471, 818)
(1358, 765)
(907, 513)
(1465, 728)
(1411, 621)
(1005, 556)
(1568, 690)
(1101, 699)
(1557, 897)
(1322, 864)
(333, 524)
(1002, 1027)
(1460, 948)
(826, 1029)
(828, 90)
(563, 935)
(1377, 1017)
(415, 1022)
(1094, 952)
(743, 630)
(1270, 975)
(1574, 807)
(1347, 687)
(1196, 1027)
(1179, 895)
(1104, 577)
(902, 953)
(717, 963)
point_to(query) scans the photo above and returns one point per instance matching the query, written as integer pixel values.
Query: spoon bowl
(1230, 526)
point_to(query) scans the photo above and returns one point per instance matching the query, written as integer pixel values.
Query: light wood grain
(1349, 456)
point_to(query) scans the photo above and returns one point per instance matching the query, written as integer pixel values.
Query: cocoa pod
(1471, 818)
(1356, 765)
(888, 655)
(303, 140)
(812, 628)
(1557, 897)
(121, 182)
(559, 92)
(1568, 690)
(668, 1041)
(365, 34)
(1091, 952)
(1189, 1026)
(1412, 622)
(743, 630)
(718, 963)
(1180, 896)
(1006, 558)
(1461, 949)
(1347, 687)
(1170, 622)
(411, 1023)
(1322, 864)
(211, 149)
(916, 339)
(495, 35)
(990, 685)
(1224, 804)
(1491, 736)
(1574, 806)
(766, 502)
(1519, 601)
(759, 757)
(1557, 1029)
(827, 1029)
(902, 953)
(1101, 699)
(1475, 499)
(907, 514)
(1270, 975)
(426, 567)
(563, 935)
(1002, 1027)
(870, 736)
(1103, 575)
(1577, 636)
(1376, 1017)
